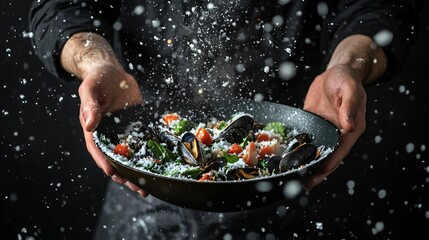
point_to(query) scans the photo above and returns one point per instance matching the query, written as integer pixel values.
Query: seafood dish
(231, 149)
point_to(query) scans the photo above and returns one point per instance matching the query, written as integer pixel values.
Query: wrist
(85, 52)
(367, 60)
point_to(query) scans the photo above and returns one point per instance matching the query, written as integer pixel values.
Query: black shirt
(238, 47)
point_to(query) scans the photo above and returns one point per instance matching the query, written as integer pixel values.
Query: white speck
(96, 23)
(138, 10)
(117, 26)
(299, 13)
(402, 89)
(264, 186)
(227, 236)
(268, 27)
(322, 9)
(117, 120)
(74, 95)
(277, 20)
(382, 194)
(156, 23)
(130, 66)
(240, 68)
(383, 38)
(319, 225)
(224, 84)
(378, 139)
(292, 189)
(284, 2)
(409, 147)
(210, 6)
(60, 99)
(259, 97)
(287, 70)
(266, 69)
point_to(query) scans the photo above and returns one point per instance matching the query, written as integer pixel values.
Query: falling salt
(277, 20)
(227, 236)
(240, 68)
(259, 97)
(138, 10)
(117, 26)
(378, 139)
(319, 225)
(266, 69)
(402, 89)
(292, 189)
(409, 147)
(224, 84)
(382, 194)
(287, 70)
(383, 38)
(322, 9)
(156, 23)
(60, 99)
(96, 23)
(210, 6)
(264, 186)
(284, 2)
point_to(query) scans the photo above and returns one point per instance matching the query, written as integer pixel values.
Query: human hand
(105, 87)
(339, 96)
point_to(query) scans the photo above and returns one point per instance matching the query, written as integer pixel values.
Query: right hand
(105, 87)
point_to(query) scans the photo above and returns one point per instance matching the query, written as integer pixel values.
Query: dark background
(51, 189)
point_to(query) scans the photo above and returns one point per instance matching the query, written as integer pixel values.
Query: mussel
(237, 129)
(242, 173)
(189, 147)
(299, 153)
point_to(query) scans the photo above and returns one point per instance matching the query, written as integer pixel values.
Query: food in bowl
(231, 149)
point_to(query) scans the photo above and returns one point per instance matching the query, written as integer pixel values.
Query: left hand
(338, 96)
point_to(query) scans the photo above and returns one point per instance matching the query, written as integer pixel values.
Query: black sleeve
(394, 21)
(54, 21)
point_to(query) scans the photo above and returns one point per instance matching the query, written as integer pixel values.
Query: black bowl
(227, 196)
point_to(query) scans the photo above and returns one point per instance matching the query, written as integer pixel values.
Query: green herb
(276, 127)
(160, 152)
(192, 172)
(230, 158)
(182, 126)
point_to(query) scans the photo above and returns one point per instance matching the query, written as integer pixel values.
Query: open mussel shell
(189, 147)
(191, 150)
(300, 156)
(237, 129)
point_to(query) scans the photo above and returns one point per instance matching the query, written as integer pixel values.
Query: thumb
(90, 114)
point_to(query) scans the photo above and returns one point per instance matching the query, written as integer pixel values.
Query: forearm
(360, 53)
(86, 51)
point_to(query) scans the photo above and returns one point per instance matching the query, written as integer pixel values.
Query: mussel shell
(237, 129)
(242, 173)
(296, 141)
(214, 164)
(300, 156)
(272, 164)
(190, 148)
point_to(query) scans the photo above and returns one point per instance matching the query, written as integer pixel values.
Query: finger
(89, 108)
(99, 158)
(134, 188)
(118, 178)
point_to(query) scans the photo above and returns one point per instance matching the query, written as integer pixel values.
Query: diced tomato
(169, 118)
(122, 149)
(204, 136)
(262, 137)
(235, 149)
(266, 151)
(206, 177)
(250, 158)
